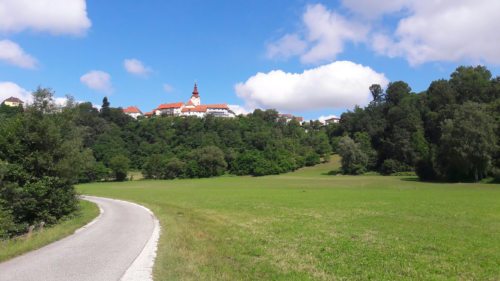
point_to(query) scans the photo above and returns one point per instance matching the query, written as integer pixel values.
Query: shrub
(312, 159)
(154, 167)
(425, 170)
(391, 166)
(47, 199)
(354, 160)
(206, 162)
(174, 168)
(119, 166)
(7, 225)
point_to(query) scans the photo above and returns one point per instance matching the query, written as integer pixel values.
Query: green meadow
(308, 225)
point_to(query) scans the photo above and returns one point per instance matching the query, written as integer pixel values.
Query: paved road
(102, 251)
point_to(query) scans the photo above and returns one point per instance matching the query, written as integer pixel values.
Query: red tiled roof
(286, 115)
(170, 105)
(298, 118)
(132, 109)
(149, 113)
(199, 108)
(13, 99)
(217, 106)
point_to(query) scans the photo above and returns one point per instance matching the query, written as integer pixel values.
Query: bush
(95, 171)
(206, 162)
(174, 168)
(354, 160)
(154, 167)
(119, 166)
(496, 175)
(391, 166)
(425, 170)
(246, 163)
(312, 159)
(47, 199)
(7, 225)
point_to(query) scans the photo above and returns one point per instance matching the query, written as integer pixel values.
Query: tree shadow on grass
(414, 179)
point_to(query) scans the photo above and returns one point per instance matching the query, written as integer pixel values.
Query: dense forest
(448, 132)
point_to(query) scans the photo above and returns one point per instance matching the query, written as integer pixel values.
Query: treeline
(189, 147)
(448, 132)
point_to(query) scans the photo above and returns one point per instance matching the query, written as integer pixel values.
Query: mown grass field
(15, 247)
(310, 226)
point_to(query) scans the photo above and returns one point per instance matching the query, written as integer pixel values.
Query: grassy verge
(307, 225)
(15, 247)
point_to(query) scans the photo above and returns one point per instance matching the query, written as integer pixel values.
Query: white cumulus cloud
(238, 109)
(340, 84)
(11, 89)
(12, 53)
(136, 67)
(53, 16)
(325, 34)
(448, 30)
(287, 46)
(97, 80)
(419, 31)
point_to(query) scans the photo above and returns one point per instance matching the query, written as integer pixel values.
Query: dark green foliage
(161, 167)
(174, 168)
(449, 132)
(43, 156)
(154, 167)
(472, 84)
(365, 144)
(467, 144)
(206, 162)
(396, 92)
(7, 224)
(119, 165)
(312, 159)
(354, 160)
(391, 166)
(9, 111)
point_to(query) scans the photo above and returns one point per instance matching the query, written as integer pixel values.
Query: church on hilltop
(193, 107)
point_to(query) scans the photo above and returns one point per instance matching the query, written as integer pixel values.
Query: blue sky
(222, 43)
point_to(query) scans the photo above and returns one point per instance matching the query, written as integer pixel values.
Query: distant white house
(133, 112)
(13, 102)
(332, 120)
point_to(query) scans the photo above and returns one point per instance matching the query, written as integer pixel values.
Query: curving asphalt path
(119, 245)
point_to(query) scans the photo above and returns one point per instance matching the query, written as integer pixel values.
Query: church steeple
(195, 90)
(195, 98)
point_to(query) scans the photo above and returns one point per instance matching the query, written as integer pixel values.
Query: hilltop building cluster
(192, 107)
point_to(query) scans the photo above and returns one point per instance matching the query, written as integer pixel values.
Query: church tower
(195, 98)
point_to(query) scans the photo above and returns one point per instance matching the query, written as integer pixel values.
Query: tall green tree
(354, 160)
(467, 143)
